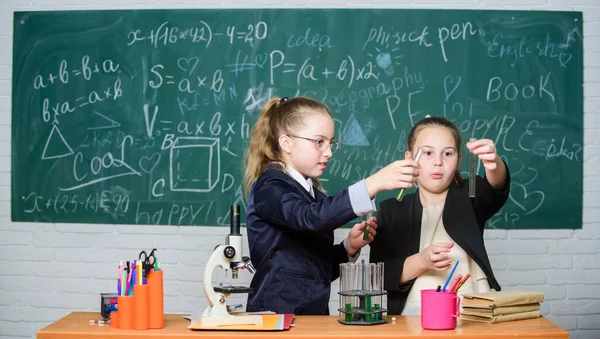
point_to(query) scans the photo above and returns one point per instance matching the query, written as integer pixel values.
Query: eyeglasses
(321, 144)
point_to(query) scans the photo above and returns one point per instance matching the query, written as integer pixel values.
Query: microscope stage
(233, 289)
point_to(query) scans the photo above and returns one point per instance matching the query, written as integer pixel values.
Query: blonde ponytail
(264, 146)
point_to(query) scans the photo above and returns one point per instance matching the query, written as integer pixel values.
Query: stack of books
(496, 307)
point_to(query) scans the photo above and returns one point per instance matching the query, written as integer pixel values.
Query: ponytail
(264, 146)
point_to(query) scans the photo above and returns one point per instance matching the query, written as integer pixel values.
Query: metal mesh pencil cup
(363, 301)
(108, 304)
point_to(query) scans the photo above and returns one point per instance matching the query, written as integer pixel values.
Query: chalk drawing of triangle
(353, 134)
(59, 147)
(112, 123)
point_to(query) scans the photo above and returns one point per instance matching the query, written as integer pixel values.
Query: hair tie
(282, 100)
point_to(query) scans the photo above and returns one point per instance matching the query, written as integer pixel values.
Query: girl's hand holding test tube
(356, 239)
(486, 151)
(398, 174)
(401, 192)
(495, 169)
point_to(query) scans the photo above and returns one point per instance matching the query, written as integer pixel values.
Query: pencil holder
(439, 310)
(156, 310)
(108, 304)
(114, 319)
(140, 307)
(125, 312)
(363, 300)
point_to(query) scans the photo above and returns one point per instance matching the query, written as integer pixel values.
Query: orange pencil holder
(126, 313)
(114, 319)
(156, 309)
(140, 307)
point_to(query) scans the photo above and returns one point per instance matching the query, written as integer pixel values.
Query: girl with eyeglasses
(290, 220)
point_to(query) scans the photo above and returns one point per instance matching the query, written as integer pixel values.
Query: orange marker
(462, 281)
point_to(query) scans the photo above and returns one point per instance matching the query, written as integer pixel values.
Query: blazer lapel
(457, 218)
(406, 232)
(303, 191)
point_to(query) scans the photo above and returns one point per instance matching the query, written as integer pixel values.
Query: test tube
(366, 234)
(401, 193)
(472, 169)
(362, 289)
(368, 288)
(345, 272)
(356, 277)
(377, 286)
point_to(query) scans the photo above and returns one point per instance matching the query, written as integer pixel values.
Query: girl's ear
(285, 143)
(407, 155)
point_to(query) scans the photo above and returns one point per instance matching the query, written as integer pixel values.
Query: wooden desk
(76, 325)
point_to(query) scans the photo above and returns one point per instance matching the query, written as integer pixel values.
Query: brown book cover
(502, 310)
(501, 318)
(502, 298)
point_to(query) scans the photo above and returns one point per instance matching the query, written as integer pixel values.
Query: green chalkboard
(143, 116)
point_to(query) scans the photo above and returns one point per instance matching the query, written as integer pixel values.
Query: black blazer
(290, 236)
(399, 233)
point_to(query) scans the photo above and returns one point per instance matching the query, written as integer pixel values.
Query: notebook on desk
(502, 298)
(271, 322)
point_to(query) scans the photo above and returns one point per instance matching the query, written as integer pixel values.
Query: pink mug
(439, 310)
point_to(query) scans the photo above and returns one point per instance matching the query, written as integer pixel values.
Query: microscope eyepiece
(234, 219)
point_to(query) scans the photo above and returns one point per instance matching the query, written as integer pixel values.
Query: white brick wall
(42, 277)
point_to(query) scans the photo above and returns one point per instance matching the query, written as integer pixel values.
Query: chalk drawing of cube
(195, 164)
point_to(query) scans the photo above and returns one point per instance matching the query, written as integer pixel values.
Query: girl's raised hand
(398, 174)
(485, 149)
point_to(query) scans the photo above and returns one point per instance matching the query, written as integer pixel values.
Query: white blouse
(433, 231)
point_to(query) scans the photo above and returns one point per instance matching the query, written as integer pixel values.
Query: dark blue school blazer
(290, 236)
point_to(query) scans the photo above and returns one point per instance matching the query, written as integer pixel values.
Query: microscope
(228, 256)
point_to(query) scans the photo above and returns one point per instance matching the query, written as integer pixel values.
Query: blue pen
(450, 276)
(133, 276)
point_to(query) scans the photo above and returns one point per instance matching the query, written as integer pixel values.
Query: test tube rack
(366, 313)
(363, 300)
